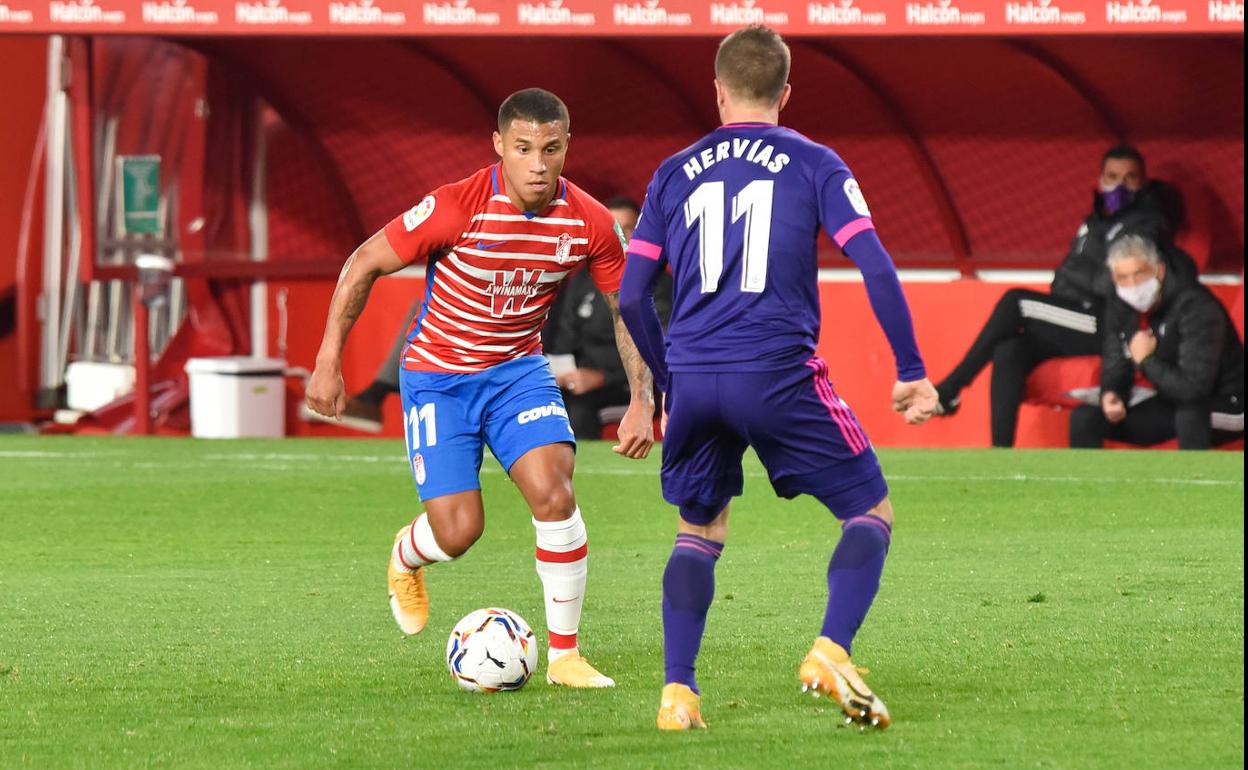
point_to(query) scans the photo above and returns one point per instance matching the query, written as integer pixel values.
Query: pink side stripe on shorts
(854, 427)
(823, 390)
(853, 228)
(841, 408)
(857, 441)
(645, 249)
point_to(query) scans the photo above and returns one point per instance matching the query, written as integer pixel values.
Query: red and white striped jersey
(493, 270)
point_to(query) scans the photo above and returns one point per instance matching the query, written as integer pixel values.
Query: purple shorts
(805, 435)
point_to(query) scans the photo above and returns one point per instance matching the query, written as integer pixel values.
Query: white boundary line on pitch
(287, 457)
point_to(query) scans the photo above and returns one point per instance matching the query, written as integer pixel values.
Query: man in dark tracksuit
(1163, 332)
(1028, 327)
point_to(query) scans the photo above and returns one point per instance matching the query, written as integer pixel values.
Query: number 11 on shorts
(422, 415)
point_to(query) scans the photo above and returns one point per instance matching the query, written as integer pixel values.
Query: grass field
(179, 603)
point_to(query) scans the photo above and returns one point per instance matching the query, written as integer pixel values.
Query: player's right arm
(426, 228)
(844, 214)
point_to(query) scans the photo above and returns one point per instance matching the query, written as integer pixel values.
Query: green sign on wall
(140, 192)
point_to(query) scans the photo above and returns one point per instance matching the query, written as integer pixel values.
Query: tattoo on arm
(357, 296)
(640, 380)
(346, 305)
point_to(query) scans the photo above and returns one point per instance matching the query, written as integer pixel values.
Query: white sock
(562, 565)
(418, 548)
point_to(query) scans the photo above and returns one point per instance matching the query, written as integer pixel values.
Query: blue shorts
(805, 435)
(511, 408)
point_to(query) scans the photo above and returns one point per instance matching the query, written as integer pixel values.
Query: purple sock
(688, 587)
(854, 576)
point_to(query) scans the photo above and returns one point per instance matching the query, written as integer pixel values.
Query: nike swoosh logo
(483, 246)
(557, 600)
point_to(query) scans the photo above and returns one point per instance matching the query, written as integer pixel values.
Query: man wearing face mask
(1173, 364)
(1028, 327)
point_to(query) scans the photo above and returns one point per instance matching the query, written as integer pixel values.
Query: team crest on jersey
(854, 193)
(563, 249)
(418, 468)
(418, 213)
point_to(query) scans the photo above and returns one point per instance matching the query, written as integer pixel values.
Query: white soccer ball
(491, 650)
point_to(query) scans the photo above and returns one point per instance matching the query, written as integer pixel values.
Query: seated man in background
(584, 329)
(1027, 327)
(1168, 339)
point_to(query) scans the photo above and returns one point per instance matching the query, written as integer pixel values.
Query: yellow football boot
(409, 601)
(572, 670)
(680, 708)
(827, 670)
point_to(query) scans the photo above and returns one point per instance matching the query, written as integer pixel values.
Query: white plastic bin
(237, 396)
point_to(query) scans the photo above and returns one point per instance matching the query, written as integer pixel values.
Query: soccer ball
(490, 650)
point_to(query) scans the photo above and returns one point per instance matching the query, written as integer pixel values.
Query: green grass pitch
(180, 603)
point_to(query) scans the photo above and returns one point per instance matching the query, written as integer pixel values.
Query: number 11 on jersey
(753, 204)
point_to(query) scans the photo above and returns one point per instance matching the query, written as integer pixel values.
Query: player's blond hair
(753, 64)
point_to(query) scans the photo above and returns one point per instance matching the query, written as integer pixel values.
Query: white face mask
(1141, 296)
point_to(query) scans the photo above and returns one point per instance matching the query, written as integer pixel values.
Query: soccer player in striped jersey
(736, 215)
(496, 246)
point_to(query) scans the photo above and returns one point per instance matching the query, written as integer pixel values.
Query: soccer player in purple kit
(736, 216)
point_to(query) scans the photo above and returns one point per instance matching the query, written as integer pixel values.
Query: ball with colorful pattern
(491, 650)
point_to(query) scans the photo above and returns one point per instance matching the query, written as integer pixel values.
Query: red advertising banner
(621, 17)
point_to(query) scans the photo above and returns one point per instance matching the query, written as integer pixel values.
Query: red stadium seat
(1050, 383)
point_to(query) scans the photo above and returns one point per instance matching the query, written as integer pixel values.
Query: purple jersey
(736, 215)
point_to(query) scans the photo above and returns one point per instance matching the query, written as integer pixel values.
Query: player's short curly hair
(536, 104)
(753, 64)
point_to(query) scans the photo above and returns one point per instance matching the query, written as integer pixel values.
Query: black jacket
(1198, 357)
(584, 326)
(1156, 214)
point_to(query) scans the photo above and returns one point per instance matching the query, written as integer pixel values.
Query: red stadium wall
(22, 89)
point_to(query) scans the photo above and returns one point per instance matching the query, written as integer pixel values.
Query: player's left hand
(915, 400)
(636, 433)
